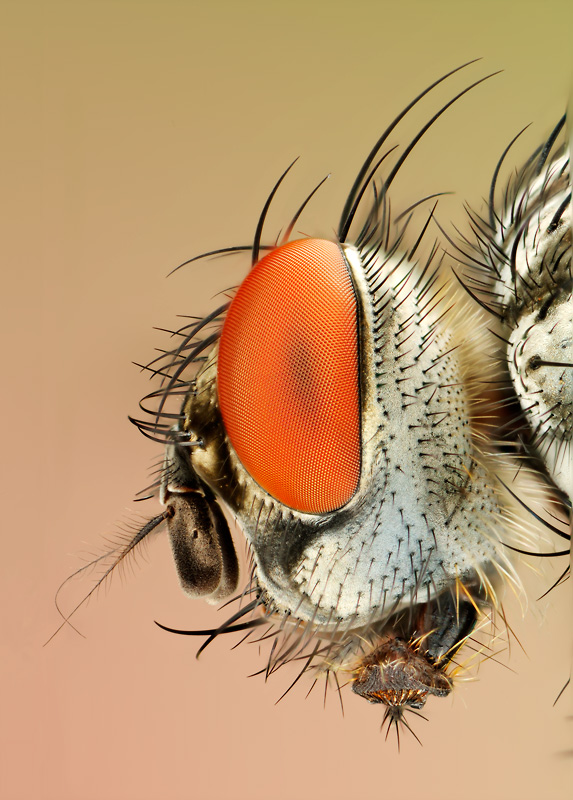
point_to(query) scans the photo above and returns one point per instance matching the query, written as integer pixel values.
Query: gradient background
(136, 135)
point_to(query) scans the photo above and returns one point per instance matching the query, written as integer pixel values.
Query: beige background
(138, 134)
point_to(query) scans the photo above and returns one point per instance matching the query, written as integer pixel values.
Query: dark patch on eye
(303, 382)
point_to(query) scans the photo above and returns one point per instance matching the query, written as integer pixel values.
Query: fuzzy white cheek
(402, 561)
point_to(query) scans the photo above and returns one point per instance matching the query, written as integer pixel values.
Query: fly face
(331, 407)
(332, 411)
(338, 432)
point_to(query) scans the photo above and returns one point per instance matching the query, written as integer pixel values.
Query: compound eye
(288, 376)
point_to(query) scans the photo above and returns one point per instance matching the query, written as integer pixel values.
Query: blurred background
(134, 136)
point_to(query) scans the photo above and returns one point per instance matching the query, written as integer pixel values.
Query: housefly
(335, 408)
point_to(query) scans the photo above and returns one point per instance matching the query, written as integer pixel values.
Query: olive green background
(135, 135)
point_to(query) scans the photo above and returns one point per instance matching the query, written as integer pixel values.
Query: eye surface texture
(288, 376)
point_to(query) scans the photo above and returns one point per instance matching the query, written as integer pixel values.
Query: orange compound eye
(288, 376)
